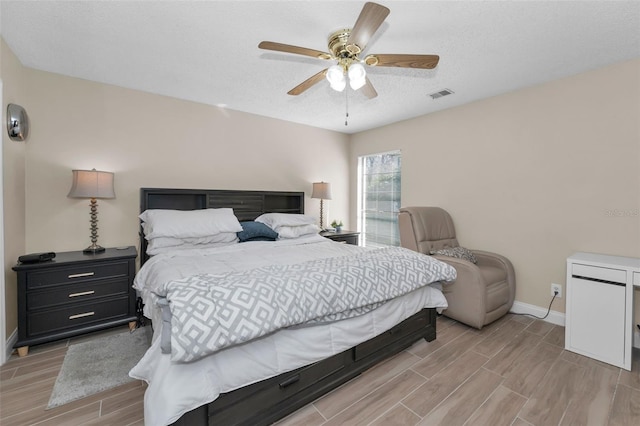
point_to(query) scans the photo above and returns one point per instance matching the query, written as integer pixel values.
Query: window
(379, 199)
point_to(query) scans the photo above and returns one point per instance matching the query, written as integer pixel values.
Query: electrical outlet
(556, 288)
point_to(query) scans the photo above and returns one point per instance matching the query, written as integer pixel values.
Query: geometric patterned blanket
(212, 312)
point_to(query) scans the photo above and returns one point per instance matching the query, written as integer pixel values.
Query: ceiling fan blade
(314, 79)
(368, 90)
(370, 19)
(287, 48)
(401, 60)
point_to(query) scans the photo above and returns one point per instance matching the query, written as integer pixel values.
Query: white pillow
(188, 223)
(161, 242)
(285, 232)
(275, 220)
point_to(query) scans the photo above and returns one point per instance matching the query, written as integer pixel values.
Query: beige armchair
(483, 291)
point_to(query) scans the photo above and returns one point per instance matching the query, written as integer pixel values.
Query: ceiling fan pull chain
(346, 115)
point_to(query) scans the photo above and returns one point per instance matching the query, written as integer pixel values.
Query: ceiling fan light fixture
(357, 76)
(345, 46)
(339, 86)
(357, 84)
(335, 75)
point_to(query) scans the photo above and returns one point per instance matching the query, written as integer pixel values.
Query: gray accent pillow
(459, 252)
(256, 231)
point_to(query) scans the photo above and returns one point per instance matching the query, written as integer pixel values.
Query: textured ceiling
(207, 51)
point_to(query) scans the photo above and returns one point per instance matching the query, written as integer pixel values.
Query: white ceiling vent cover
(441, 93)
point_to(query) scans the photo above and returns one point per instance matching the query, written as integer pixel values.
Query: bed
(289, 368)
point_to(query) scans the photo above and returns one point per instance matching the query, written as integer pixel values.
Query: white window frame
(361, 200)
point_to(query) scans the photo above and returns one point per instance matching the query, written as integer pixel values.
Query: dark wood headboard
(247, 205)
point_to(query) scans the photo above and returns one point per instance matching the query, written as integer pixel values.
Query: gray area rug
(97, 365)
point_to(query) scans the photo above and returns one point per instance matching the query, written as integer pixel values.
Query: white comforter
(175, 388)
(235, 257)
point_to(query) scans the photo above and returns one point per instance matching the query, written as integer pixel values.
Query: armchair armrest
(497, 260)
(467, 295)
(492, 259)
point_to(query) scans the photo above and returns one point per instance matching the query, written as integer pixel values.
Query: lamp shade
(321, 190)
(92, 184)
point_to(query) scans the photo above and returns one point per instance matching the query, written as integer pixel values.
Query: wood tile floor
(26, 385)
(513, 372)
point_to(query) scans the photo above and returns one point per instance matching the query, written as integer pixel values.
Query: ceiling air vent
(441, 93)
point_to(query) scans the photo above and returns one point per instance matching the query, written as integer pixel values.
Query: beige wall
(156, 141)
(13, 174)
(535, 174)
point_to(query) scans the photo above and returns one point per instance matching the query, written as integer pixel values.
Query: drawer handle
(84, 274)
(86, 314)
(82, 293)
(291, 380)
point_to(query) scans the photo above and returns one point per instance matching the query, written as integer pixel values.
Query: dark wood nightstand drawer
(54, 320)
(345, 237)
(68, 317)
(76, 293)
(77, 273)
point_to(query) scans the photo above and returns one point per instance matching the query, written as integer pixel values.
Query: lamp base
(93, 249)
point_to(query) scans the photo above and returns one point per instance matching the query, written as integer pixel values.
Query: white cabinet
(599, 317)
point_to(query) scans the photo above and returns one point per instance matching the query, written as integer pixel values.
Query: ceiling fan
(345, 46)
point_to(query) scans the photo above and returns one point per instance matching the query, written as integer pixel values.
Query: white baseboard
(10, 342)
(554, 317)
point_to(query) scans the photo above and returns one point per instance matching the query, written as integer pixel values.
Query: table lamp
(92, 184)
(321, 190)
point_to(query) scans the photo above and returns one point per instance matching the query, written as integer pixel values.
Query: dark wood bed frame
(267, 401)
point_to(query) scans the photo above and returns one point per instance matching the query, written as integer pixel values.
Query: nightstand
(348, 237)
(73, 294)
